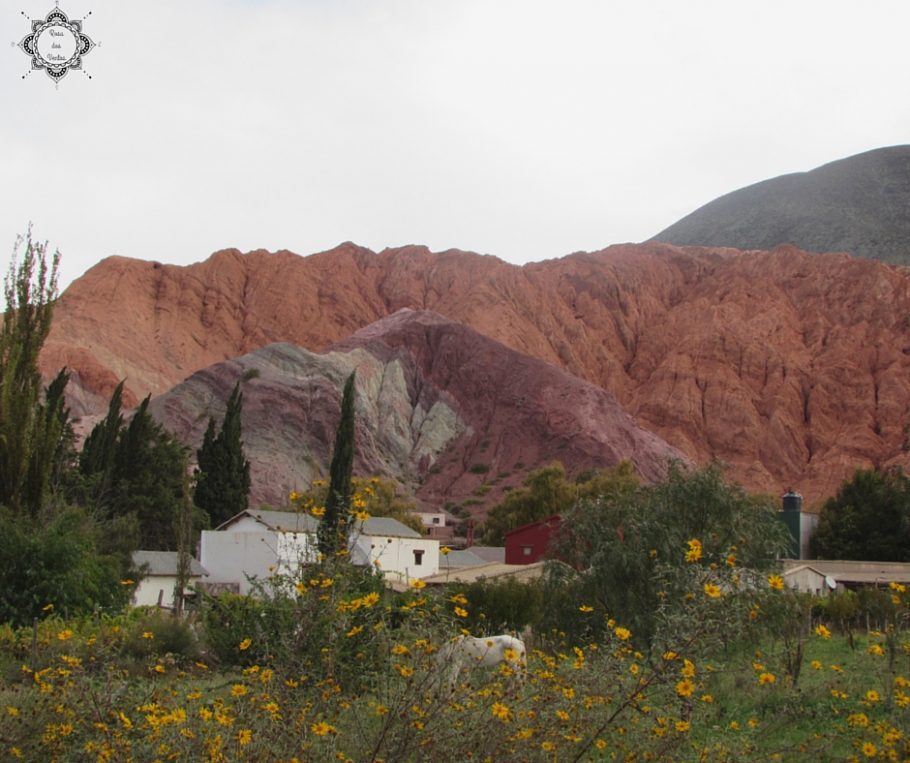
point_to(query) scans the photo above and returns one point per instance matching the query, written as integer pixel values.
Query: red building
(527, 544)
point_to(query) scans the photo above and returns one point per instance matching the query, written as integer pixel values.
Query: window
(418, 557)
(527, 550)
(435, 520)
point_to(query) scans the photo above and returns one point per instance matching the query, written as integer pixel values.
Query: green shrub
(158, 634)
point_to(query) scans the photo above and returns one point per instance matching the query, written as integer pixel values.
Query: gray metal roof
(386, 526)
(299, 522)
(489, 571)
(456, 558)
(489, 553)
(279, 521)
(164, 563)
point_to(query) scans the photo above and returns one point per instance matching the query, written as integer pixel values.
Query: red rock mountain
(792, 368)
(441, 407)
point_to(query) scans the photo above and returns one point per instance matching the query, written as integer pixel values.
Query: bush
(160, 634)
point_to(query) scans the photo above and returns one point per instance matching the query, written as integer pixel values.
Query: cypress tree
(148, 479)
(332, 534)
(96, 462)
(52, 444)
(223, 474)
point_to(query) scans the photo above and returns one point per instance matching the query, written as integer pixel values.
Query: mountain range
(856, 205)
(790, 367)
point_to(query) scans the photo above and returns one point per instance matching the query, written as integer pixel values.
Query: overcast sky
(527, 130)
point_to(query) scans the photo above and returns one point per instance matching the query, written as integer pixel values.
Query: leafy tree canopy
(868, 519)
(546, 491)
(631, 546)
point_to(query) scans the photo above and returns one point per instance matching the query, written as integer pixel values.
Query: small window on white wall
(418, 557)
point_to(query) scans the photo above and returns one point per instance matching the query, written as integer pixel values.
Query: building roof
(301, 522)
(854, 571)
(386, 526)
(279, 521)
(460, 558)
(164, 563)
(489, 553)
(489, 571)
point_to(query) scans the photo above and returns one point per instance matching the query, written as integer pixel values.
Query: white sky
(527, 130)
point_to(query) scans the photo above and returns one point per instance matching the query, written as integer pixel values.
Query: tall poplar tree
(30, 289)
(223, 473)
(333, 529)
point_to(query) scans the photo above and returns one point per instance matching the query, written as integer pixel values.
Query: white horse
(484, 651)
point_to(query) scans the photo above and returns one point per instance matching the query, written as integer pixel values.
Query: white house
(159, 569)
(256, 544)
(399, 552)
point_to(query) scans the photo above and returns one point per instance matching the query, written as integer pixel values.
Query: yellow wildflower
(245, 644)
(322, 728)
(501, 711)
(712, 591)
(776, 582)
(685, 688)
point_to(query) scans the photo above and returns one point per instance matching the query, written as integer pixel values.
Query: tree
(96, 461)
(30, 289)
(56, 563)
(147, 479)
(223, 474)
(630, 546)
(546, 491)
(332, 534)
(868, 519)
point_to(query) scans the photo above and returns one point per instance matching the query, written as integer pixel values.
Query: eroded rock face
(790, 367)
(439, 407)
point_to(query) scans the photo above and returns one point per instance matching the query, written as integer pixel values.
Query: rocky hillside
(439, 406)
(857, 205)
(792, 368)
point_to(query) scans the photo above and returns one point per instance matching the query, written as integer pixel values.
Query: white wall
(228, 554)
(246, 548)
(396, 555)
(146, 593)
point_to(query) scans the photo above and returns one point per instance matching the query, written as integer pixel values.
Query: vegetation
(621, 546)
(373, 497)
(868, 519)
(546, 492)
(661, 632)
(331, 666)
(223, 473)
(30, 429)
(333, 534)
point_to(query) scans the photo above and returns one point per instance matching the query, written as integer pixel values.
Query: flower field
(339, 669)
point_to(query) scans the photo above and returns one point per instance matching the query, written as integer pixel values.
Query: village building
(159, 570)
(528, 544)
(255, 545)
